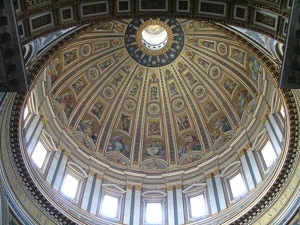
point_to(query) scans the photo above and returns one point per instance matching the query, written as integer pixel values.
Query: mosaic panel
(183, 5)
(240, 12)
(41, 21)
(146, 5)
(123, 6)
(66, 14)
(212, 8)
(94, 9)
(35, 2)
(265, 19)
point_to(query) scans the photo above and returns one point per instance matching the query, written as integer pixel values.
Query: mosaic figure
(229, 86)
(173, 89)
(134, 90)
(70, 56)
(203, 63)
(116, 144)
(238, 55)
(78, 86)
(97, 109)
(104, 65)
(154, 149)
(208, 44)
(154, 128)
(183, 123)
(153, 93)
(125, 122)
(255, 68)
(52, 69)
(243, 98)
(100, 45)
(210, 108)
(65, 101)
(86, 127)
(117, 79)
(192, 142)
(190, 78)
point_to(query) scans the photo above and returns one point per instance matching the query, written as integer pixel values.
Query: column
(218, 187)
(254, 165)
(53, 166)
(32, 133)
(87, 190)
(273, 137)
(212, 194)
(95, 193)
(179, 203)
(247, 170)
(137, 205)
(127, 208)
(59, 173)
(170, 204)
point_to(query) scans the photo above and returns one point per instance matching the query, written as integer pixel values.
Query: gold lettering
(291, 188)
(270, 215)
(38, 216)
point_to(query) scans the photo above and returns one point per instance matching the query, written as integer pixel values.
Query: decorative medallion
(154, 42)
(222, 49)
(93, 73)
(86, 50)
(129, 105)
(153, 108)
(199, 91)
(215, 72)
(178, 104)
(108, 92)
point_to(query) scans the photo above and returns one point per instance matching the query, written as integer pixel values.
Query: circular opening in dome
(154, 37)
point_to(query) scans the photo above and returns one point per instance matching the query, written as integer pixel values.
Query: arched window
(73, 181)
(154, 207)
(39, 155)
(234, 182)
(196, 201)
(111, 202)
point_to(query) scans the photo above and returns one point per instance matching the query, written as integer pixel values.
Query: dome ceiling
(187, 107)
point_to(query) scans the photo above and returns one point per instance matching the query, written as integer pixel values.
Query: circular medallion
(153, 108)
(199, 91)
(129, 105)
(154, 42)
(178, 104)
(86, 50)
(108, 92)
(222, 48)
(93, 73)
(215, 72)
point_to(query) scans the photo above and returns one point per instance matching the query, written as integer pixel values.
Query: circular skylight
(154, 37)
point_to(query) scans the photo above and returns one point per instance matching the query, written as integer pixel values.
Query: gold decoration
(139, 37)
(264, 118)
(207, 176)
(42, 116)
(216, 172)
(240, 153)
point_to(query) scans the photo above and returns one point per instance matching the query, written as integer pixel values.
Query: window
(110, 201)
(39, 155)
(70, 186)
(268, 154)
(110, 206)
(154, 207)
(198, 206)
(154, 213)
(237, 186)
(72, 183)
(282, 111)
